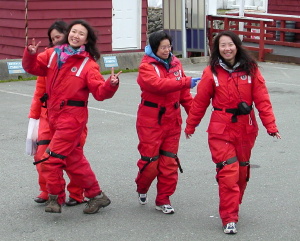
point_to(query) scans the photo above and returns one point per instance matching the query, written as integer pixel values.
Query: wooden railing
(232, 23)
(283, 30)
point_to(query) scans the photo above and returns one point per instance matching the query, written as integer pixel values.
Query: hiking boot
(143, 199)
(230, 228)
(53, 206)
(95, 203)
(167, 209)
(72, 202)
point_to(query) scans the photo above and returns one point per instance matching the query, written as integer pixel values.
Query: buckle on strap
(148, 160)
(220, 165)
(244, 164)
(172, 155)
(51, 153)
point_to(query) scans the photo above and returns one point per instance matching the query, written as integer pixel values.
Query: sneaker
(143, 199)
(52, 205)
(95, 203)
(230, 228)
(167, 209)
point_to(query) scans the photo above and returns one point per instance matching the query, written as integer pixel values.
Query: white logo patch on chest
(176, 73)
(243, 77)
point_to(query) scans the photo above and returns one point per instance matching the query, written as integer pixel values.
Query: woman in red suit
(233, 83)
(72, 74)
(38, 110)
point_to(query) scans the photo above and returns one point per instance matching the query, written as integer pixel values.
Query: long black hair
(91, 45)
(58, 25)
(247, 62)
(155, 39)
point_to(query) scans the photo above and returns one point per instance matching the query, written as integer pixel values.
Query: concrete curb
(126, 61)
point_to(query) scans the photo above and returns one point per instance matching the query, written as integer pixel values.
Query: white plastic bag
(32, 134)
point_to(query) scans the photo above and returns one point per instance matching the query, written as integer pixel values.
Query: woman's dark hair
(247, 62)
(58, 25)
(91, 45)
(155, 39)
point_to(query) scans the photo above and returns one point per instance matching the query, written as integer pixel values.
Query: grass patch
(19, 79)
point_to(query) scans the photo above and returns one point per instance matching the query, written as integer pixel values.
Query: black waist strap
(231, 111)
(235, 112)
(170, 154)
(149, 104)
(77, 103)
(162, 109)
(155, 105)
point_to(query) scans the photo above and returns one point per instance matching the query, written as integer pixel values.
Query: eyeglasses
(166, 47)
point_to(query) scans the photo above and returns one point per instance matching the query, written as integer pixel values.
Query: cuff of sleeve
(189, 129)
(272, 129)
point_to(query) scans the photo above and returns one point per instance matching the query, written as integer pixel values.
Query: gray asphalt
(271, 207)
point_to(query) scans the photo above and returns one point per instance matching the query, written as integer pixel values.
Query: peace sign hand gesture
(32, 48)
(114, 78)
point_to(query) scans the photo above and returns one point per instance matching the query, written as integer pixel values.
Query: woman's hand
(276, 134)
(32, 48)
(188, 136)
(114, 78)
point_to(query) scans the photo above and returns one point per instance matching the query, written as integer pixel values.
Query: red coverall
(68, 89)
(161, 88)
(228, 141)
(38, 111)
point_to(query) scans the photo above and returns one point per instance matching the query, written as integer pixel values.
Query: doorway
(126, 24)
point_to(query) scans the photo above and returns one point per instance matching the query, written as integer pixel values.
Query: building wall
(289, 7)
(42, 13)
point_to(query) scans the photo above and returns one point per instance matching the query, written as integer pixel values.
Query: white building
(155, 3)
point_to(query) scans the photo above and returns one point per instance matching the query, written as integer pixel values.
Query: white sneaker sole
(164, 210)
(231, 231)
(143, 202)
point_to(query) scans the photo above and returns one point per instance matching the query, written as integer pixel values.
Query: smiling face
(227, 49)
(164, 49)
(77, 36)
(56, 36)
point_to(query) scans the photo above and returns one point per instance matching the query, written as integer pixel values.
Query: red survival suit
(38, 111)
(68, 90)
(159, 124)
(229, 141)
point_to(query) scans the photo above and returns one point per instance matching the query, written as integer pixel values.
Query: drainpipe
(241, 14)
(183, 29)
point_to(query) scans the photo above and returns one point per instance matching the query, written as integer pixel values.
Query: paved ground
(270, 211)
(282, 54)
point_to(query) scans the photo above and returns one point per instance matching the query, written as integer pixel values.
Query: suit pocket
(216, 128)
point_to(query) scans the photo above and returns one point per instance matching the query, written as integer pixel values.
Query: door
(126, 24)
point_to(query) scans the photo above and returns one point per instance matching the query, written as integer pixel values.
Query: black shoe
(40, 200)
(72, 202)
